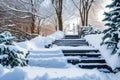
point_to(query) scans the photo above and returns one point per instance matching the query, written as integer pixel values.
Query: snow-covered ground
(41, 73)
(50, 64)
(112, 60)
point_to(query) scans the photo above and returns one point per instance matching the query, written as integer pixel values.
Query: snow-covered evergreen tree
(112, 19)
(10, 55)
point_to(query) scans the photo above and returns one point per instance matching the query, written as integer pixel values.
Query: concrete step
(92, 65)
(95, 65)
(71, 43)
(93, 61)
(82, 54)
(77, 61)
(71, 36)
(71, 40)
(80, 39)
(81, 51)
(81, 44)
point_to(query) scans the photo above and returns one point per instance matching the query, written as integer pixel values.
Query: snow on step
(104, 70)
(84, 58)
(95, 65)
(48, 62)
(77, 48)
(92, 65)
(44, 55)
(52, 58)
(75, 60)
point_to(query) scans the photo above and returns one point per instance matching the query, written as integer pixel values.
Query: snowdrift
(95, 40)
(40, 41)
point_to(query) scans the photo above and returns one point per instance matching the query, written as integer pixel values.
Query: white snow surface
(50, 64)
(40, 73)
(40, 41)
(76, 48)
(43, 57)
(112, 60)
(50, 58)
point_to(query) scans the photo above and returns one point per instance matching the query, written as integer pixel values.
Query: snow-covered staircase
(88, 61)
(82, 54)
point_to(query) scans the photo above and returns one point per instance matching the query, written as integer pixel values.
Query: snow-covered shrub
(86, 30)
(111, 34)
(10, 55)
(6, 38)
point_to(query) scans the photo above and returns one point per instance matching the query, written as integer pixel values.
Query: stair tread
(79, 50)
(92, 64)
(87, 55)
(74, 39)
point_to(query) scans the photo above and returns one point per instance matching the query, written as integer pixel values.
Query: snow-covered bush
(86, 30)
(6, 38)
(112, 33)
(10, 55)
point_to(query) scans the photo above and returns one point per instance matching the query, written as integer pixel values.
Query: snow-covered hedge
(10, 55)
(86, 30)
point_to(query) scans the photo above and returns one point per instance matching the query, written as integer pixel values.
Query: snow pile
(95, 40)
(58, 35)
(55, 36)
(43, 57)
(52, 57)
(40, 41)
(38, 73)
(15, 74)
(33, 44)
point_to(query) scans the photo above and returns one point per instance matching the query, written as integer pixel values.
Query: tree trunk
(58, 7)
(87, 18)
(60, 23)
(32, 18)
(33, 24)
